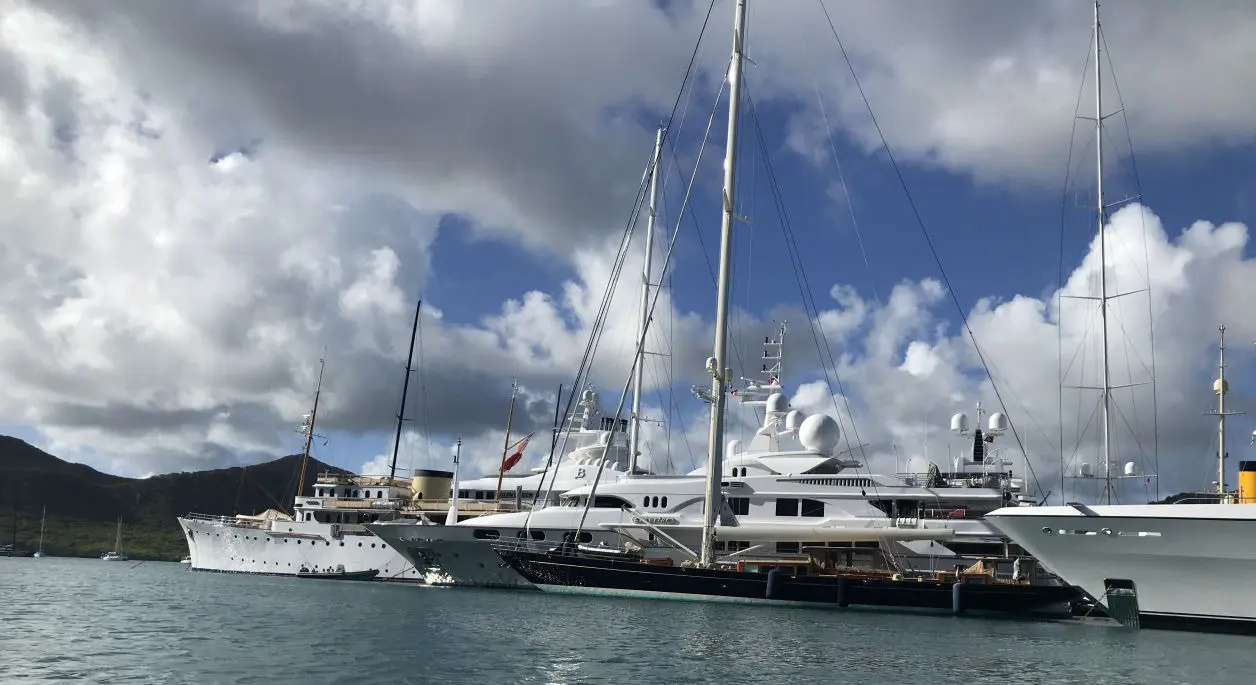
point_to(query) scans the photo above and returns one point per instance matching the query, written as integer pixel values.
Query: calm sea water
(70, 620)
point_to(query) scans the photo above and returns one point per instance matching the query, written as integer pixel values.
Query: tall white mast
(634, 434)
(1221, 388)
(451, 515)
(717, 364)
(1103, 269)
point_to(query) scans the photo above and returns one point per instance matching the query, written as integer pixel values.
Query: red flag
(513, 459)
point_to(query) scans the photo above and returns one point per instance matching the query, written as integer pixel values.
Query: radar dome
(819, 433)
(998, 421)
(1084, 470)
(794, 419)
(1131, 469)
(959, 423)
(777, 403)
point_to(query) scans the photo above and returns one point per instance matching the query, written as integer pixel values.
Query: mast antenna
(1221, 387)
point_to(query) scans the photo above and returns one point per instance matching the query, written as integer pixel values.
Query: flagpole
(510, 415)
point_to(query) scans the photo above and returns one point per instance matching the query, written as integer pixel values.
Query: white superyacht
(786, 481)
(1169, 566)
(1173, 566)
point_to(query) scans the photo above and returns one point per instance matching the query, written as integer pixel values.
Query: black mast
(405, 389)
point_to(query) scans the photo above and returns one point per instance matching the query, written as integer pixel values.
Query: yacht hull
(565, 574)
(224, 547)
(1187, 564)
(455, 556)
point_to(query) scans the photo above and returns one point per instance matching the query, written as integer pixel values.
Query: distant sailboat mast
(43, 517)
(405, 389)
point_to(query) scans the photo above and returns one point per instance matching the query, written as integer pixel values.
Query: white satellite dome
(777, 404)
(959, 423)
(794, 419)
(998, 421)
(819, 433)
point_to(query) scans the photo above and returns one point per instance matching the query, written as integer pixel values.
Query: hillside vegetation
(84, 504)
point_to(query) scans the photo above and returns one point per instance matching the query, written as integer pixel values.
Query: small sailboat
(186, 560)
(42, 519)
(116, 554)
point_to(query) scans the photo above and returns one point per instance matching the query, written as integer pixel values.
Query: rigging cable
(1142, 217)
(928, 239)
(804, 284)
(599, 325)
(642, 190)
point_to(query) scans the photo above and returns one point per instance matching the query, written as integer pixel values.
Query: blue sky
(167, 314)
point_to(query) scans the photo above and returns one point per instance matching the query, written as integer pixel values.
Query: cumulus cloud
(913, 368)
(202, 198)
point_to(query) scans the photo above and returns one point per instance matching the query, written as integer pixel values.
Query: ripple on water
(86, 621)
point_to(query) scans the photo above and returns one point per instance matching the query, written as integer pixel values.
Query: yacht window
(812, 508)
(786, 507)
(645, 502)
(664, 501)
(743, 471)
(464, 494)
(584, 536)
(656, 501)
(739, 505)
(537, 534)
(608, 502)
(787, 548)
(483, 534)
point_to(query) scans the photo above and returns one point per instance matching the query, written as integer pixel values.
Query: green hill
(84, 504)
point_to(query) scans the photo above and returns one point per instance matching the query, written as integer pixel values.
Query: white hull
(218, 545)
(453, 556)
(1190, 563)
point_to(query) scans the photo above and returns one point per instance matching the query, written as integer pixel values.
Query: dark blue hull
(586, 575)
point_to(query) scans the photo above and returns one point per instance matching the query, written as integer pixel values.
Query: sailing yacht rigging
(43, 518)
(1136, 560)
(325, 530)
(576, 568)
(116, 554)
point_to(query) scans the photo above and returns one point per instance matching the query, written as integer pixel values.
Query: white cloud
(167, 310)
(912, 371)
